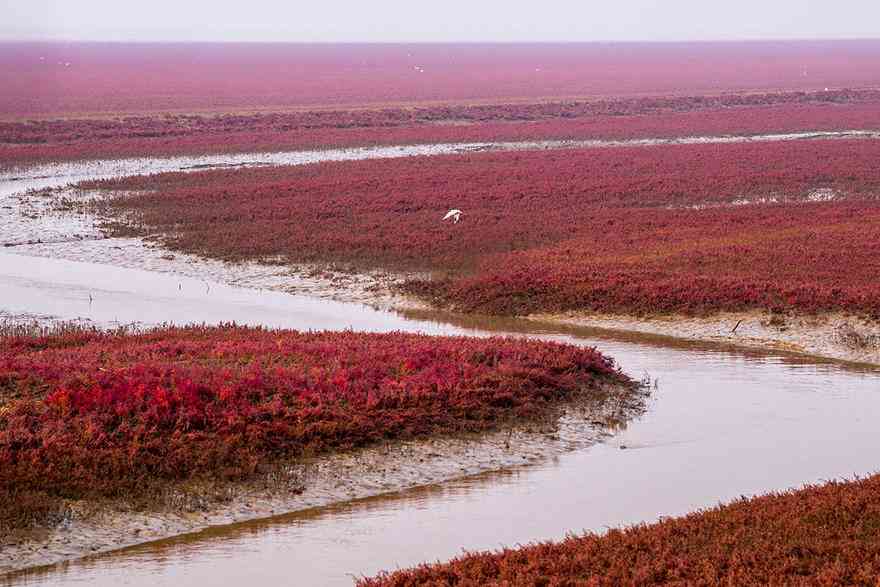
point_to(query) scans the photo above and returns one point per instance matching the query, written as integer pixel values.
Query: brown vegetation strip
(24, 143)
(820, 535)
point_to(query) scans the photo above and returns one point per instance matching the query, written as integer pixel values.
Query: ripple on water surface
(721, 424)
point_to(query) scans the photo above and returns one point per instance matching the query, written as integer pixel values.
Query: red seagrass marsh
(685, 228)
(333, 313)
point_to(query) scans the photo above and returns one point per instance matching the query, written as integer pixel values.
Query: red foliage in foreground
(71, 78)
(51, 140)
(628, 229)
(827, 535)
(88, 412)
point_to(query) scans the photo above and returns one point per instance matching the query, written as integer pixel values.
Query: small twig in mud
(735, 327)
(777, 321)
(507, 441)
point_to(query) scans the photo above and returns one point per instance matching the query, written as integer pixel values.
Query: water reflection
(722, 423)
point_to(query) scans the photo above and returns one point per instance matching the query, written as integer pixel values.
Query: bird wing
(451, 213)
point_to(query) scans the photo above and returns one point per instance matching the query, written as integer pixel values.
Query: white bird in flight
(454, 214)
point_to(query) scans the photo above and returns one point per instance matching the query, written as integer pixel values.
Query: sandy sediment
(47, 224)
(77, 236)
(90, 528)
(833, 335)
(59, 223)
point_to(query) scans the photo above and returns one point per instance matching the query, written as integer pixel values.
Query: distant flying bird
(454, 214)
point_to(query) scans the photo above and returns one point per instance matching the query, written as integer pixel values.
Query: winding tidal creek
(721, 423)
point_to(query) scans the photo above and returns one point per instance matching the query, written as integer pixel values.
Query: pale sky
(445, 20)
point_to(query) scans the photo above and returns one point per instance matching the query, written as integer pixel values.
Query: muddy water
(722, 423)
(106, 296)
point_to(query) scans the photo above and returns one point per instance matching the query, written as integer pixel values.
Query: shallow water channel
(721, 423)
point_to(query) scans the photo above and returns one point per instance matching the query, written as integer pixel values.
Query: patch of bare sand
(832, 335)
(89, 528)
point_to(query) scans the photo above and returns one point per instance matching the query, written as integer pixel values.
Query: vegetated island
(113, 438)
(771, 244)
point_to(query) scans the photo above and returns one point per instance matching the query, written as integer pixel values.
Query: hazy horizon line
(51, 40)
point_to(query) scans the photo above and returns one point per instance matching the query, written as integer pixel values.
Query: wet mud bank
(80, 275)
(42, 215)
(88, 528)
(831, 336)
(723, 423)
(58, 224)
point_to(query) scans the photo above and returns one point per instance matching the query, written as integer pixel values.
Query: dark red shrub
(90, 412)
(694, 228)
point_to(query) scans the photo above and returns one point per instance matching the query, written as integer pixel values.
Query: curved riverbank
(722, 424)
(831, 335)
(92, 527)
(160, 285)
(826, 535)
(60, 223)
